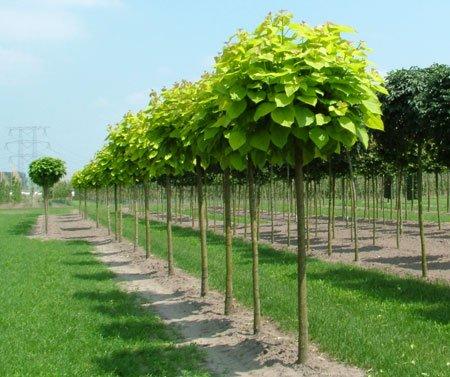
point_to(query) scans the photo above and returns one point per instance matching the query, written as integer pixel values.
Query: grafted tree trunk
(374, 206)
(120, 214)
(192, 206)
(420, 211)
(253, 231)
(170, 267)
(108, 212)
(436, 181)
(330, 199)
(202, 230)
(136, 217)
(147, 220)
(354, 219)
(97, 220)
(302, 304)
(228, 244)
(271, 205)
(116, 214)
(45, 190)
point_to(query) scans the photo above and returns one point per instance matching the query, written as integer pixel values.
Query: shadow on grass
(23, 227)
(148, 348)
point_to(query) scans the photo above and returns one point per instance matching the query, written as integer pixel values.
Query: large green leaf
(372, 105)
(256, 95)
(304, 116)
(236, 108)
(279, 135)
(348, 124)
(237, 161)
(260, 139)
(283, 115)
(310, 100)
(237, 93)
(282, 100)
(319, 136)
(363, 137)
(374, 122)
(264, 109)
(322, 119)
(236, 139)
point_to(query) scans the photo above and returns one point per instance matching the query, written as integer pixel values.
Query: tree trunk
(316, 218)
(271, 206)
(116, 214)
(374, 207)
(253, 230)
(120, 214)
(85, 204)
(169, 226)
(436, 180)
(136, 218)
(330, 199)
(302, 304)
(354, 219)
(289, 209)
(202, 230)
(192, 206)
(399, 208)
(108, 213)
(428, 193)
(420, 210)
(147, 220)
(228, 243)
(97, 220)
(45, 190)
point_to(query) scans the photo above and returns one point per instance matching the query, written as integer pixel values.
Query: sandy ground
(384, 255)
(230, 347)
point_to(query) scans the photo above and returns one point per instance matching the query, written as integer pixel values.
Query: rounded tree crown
(46, 171)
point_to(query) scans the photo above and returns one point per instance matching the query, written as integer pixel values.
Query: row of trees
(288, 101)
(284, 94)
(10, 188)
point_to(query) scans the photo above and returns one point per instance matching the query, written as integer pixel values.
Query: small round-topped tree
(45, 172)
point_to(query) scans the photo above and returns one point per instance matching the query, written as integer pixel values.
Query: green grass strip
(61, 314)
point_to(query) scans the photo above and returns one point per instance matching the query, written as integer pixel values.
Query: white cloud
(17, 66)
(29, 25)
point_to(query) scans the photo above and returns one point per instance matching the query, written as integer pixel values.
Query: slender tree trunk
(399, 209)
(147, 220)
(192, 206)
(374, 206)
(245, 215)
(330, 199)
(271, 195)
(45, 190)
(316, 218)
(97, 220)
(108, 212)
(228, 244)
(136, 218)
(85, 204)
(333, 206)
(436, 180)
(253, 230)
(428, 193)
(289, 209)
(420, 211)
(307, 197)
(448, 192)
(302, 304)
(120, 214)
(354, 219)
(258, 210)
(202, 230)
(116, 214)
(169, 226)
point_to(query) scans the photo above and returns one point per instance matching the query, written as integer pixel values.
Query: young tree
(45, 172)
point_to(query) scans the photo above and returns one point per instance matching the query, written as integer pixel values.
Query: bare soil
(383, 255)
(230, 347)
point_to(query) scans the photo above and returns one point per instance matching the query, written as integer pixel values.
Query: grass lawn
(61, 314)
(388, 325)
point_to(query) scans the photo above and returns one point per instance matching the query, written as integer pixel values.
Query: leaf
(264, 109)
(283, 115)
(372, 105)
(310, 100)
(236, 139)
(256, 95)
(237, 93)
(221, 122)
(315, 64)
(303, 116)
(347, 123)
(374, 122)
(237, 161)
(236, 108)
(363, 137)
(322, 119)
(301, 133)
(319, 136)
(282, 100)
(290, 89)
(260, 140)
(279, 135)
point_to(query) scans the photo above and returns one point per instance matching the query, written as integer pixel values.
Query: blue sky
(78, 65)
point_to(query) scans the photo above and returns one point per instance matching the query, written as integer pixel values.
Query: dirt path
(231, 349)
(384, 255)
